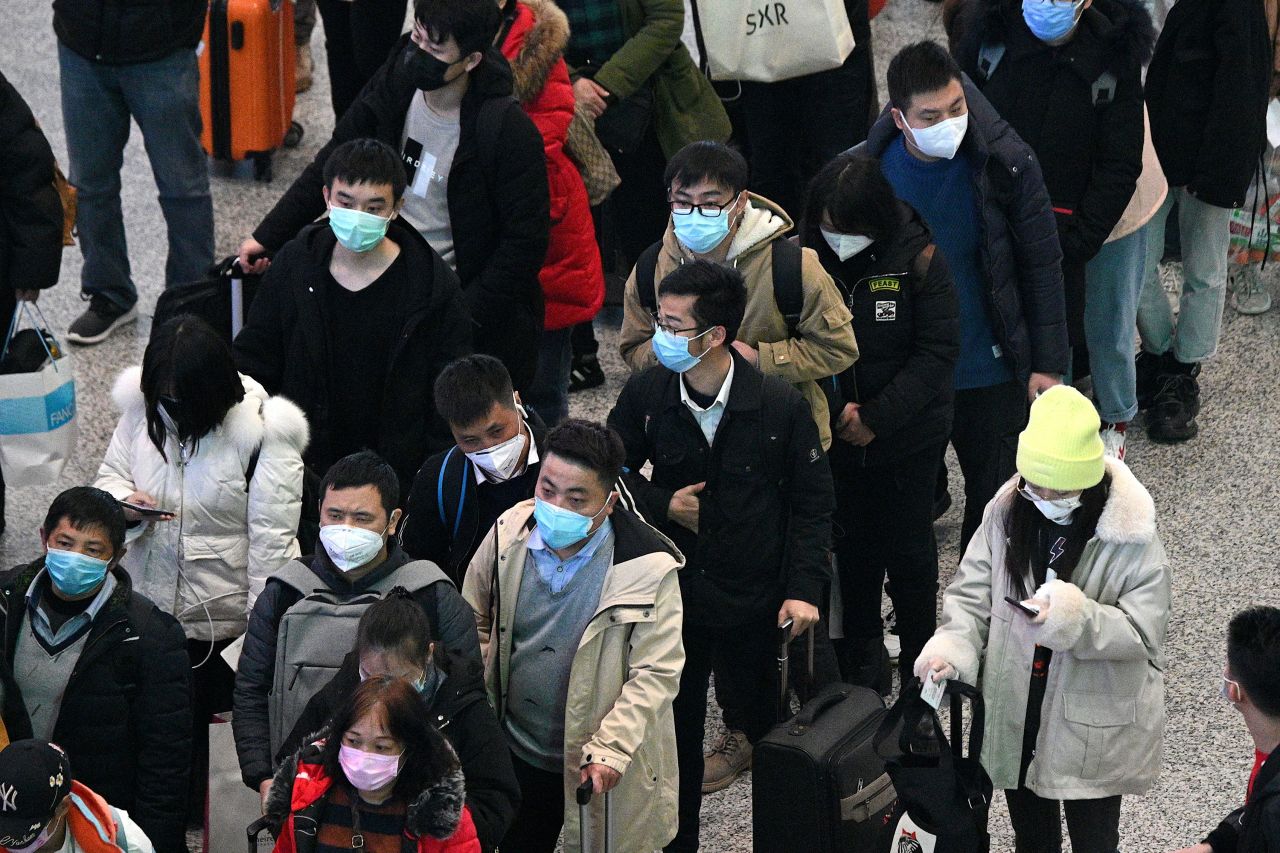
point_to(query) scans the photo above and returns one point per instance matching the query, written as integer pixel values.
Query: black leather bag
(622, 126)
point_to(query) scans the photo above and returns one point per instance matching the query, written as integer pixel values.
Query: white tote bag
(766, 41)
(37, 413)
(230, 807)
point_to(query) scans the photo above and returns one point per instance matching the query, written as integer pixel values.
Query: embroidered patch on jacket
(878, 284)
(886, 311)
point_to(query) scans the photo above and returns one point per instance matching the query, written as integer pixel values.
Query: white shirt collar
(722, 396)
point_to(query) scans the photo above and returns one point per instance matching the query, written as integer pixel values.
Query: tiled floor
(1217, 498)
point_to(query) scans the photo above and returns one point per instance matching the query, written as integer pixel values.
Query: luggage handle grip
(255, 829)
(583, 796)
(816, 708)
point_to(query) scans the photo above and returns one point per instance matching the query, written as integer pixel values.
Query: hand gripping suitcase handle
(784, 665)
(585, 790)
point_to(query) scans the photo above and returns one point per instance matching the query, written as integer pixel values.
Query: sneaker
(1113, 440)
(725, 762)
(1172, 416)
(892, 643)
(585, 373)
(303, 68)
(1249, 295)
(99, 321)
(1149, 368)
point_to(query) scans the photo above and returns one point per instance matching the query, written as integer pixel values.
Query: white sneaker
(1249, 294)
(1113, 440)
(893, 645)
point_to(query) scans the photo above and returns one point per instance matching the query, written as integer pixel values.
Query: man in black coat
(1207, 90)
(30, 213)
(741, 485)
(477, 175)
(980, 190)
(356, 332)
(98, 669)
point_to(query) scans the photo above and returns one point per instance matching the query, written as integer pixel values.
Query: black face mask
(422, 70)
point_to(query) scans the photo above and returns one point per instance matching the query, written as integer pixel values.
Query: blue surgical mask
(672, 350)
(73, 573)
(1049, 21)
(357, 230)
(700, 234)
(559, 527)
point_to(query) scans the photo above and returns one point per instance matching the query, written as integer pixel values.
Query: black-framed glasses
(658, 324)
(707, 209)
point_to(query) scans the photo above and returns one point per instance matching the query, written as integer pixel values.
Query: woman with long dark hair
(378, 775)
(212, 467)
(1072, 663)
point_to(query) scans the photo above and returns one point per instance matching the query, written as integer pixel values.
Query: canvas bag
(38, 426)
(230, 807)
(772, 40)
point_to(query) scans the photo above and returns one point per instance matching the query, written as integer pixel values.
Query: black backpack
(788, 284)
(990, 54)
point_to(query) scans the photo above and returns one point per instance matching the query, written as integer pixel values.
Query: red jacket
(572, 278)
(429, 813)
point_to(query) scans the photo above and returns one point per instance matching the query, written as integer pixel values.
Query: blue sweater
(942, 193)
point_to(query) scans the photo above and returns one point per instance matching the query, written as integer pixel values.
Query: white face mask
(499, 462)
(350, 547)
(845, 245)
(1058, 510)
(942, 139)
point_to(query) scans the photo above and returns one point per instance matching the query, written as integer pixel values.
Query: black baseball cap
(34, 777)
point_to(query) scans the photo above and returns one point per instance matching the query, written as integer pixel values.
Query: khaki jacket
(1102, 723)
(625, 675)
(826, 345)
(1149, 193)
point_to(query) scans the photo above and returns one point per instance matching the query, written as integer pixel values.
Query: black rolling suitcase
(817, 784)
(222, 300)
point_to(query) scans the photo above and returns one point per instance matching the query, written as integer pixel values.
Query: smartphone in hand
(147, 511)
(1028, 610)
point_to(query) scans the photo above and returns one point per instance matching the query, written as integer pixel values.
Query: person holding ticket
(1061, 603)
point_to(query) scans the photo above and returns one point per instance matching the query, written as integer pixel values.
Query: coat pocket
(1096, 721)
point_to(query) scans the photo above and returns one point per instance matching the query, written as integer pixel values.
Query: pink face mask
(367, 771)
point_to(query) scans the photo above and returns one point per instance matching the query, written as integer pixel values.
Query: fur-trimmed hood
(435, 812)
(1122, 30)
(257, 418)
(543, 47)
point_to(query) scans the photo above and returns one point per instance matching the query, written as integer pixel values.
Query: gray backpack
(316, 633)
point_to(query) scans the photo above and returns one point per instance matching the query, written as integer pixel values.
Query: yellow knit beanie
(1060, 449)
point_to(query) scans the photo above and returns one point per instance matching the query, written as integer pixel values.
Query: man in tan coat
(578, 608)
(714, 218)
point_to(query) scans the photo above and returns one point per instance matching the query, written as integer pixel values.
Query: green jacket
(686, 108)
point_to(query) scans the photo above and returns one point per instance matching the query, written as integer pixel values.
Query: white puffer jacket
(208, 565)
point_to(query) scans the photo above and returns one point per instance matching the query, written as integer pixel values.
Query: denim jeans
(1113, 284)
(548, 394)
(164, 98)
(1205, 238)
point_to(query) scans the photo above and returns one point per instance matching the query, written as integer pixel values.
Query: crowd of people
(436, 605)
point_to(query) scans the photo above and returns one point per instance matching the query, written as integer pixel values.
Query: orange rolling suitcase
(246, 80)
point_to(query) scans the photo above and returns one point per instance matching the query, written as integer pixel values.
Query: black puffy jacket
(460, 710)
(907, 321)
(499, 204)
(30, 210)
(119, 32)
(125, 718)
(1020, 254)
(452, 622)
(283, 346)
(1255, 826)
(1089, 144)
(1207, 90)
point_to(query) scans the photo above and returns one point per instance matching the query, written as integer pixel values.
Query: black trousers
(637, 209)
(749, 656)
(537, 825)
(211, 685)
(358, 37)
(883, 525)
(1094, 825)
(985, 436)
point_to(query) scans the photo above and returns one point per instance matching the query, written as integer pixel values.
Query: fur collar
(256, 419)
(1129, 518)
(542, 47)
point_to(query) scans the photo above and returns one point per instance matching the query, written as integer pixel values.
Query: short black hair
(473, 24)
(192, 365)
(918, 68)
(707, 161)
(366, 161)
(1253, 653)
(853, 194)
(84, 507)
(364, 468)
(594, 446)
(466, 390)
(396, 624)
(720, 294)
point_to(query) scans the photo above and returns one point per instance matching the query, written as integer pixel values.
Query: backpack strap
(413, 576)
(493, 111)
(1104, 89)
(989, 56)
(297, 575)
(788, 283)
(462, 492)
(920, 266)
(646, 272)
(252, 467)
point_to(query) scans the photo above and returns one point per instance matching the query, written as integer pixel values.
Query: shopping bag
(230, 807)
(774, 40)
(1255, 225)
(37, 408)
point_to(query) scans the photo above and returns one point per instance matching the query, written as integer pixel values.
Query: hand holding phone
(150, 513)
(1031, 611)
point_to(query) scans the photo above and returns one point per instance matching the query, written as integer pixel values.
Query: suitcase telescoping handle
(784, 665)
(585, 790)
(255, 829)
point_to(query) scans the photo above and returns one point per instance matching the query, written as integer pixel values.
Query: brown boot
(727, 760)
(303, 66)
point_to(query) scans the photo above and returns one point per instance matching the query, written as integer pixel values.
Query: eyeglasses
(658, 324)
(684, 208)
